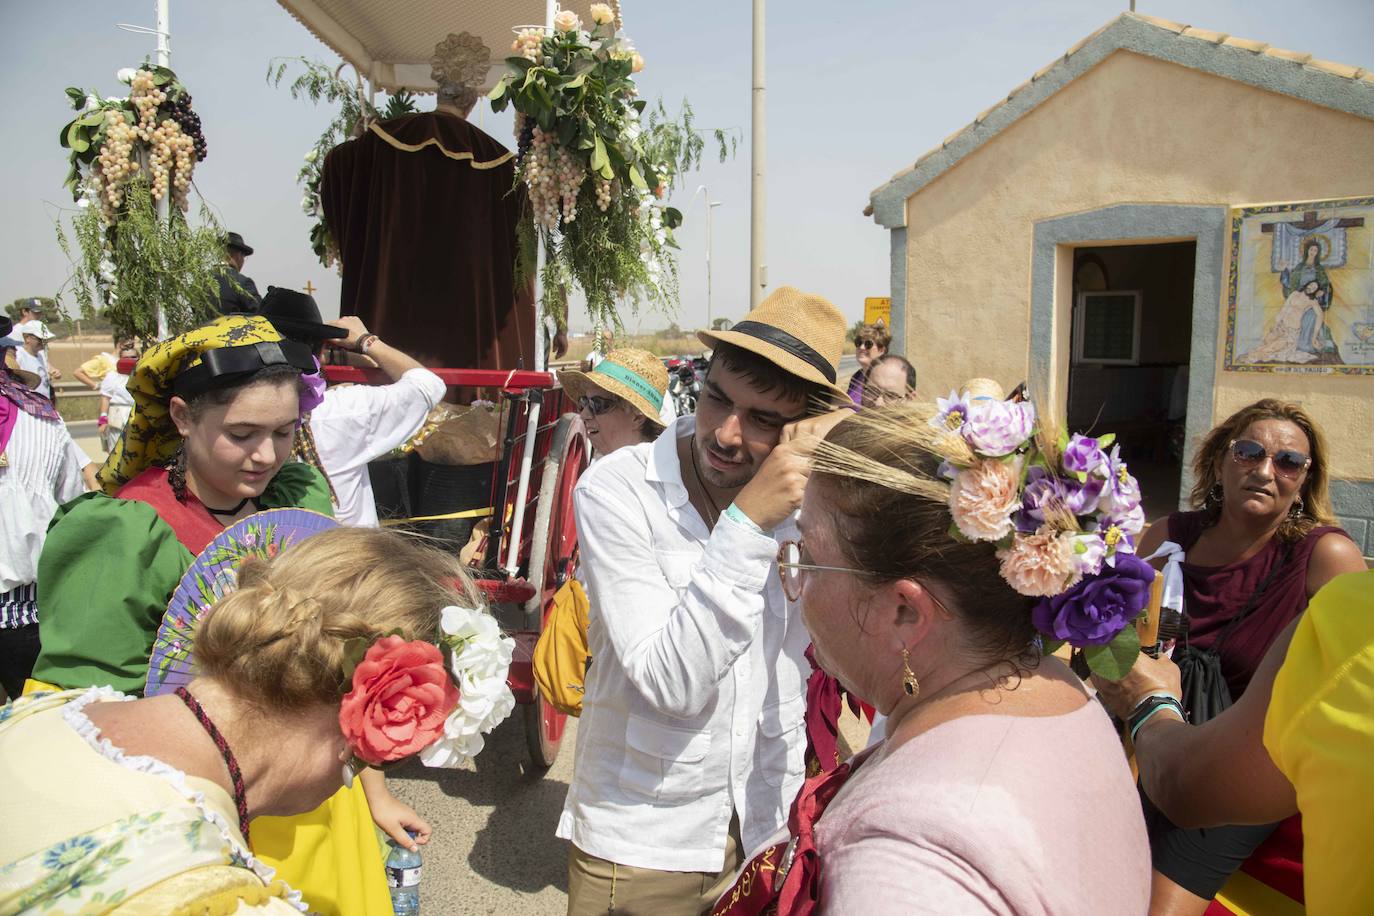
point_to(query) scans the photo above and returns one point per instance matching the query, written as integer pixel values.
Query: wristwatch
(365, 343)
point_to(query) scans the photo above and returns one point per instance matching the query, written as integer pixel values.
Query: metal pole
(758, 268)
(710, 205)
(164, 59)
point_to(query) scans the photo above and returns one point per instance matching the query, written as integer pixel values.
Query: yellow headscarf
(150, 437)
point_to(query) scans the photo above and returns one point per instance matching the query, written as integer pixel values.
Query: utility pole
(758, 269)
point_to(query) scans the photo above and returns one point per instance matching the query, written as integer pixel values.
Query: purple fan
(213, 575)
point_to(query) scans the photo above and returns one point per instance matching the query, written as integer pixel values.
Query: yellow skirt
(330, 855)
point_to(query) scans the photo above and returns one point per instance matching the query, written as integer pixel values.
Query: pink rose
(400, 698)
(1040, 564)
(983, 498)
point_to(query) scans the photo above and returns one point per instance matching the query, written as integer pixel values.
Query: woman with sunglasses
(1260, 541)
(870, 342)
(620, 399)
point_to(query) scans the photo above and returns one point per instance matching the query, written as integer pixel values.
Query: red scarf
(190, 521)
(785, 878)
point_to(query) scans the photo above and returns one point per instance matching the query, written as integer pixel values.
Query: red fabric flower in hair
(400, 698)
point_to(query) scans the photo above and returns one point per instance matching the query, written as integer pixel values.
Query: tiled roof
(1340, 86)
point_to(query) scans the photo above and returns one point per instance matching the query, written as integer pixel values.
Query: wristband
(735, 512)
(103, 418)
(1150, 707)
(365, 343)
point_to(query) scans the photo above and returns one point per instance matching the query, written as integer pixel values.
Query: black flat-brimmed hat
(236, 241)
(295, 315)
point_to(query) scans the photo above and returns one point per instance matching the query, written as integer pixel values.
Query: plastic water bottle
(403, 878)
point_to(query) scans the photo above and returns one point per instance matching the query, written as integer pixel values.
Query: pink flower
(567, 21)
(1040, 564)
(983, 498)
(400, 698)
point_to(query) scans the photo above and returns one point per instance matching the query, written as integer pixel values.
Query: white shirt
(113, 386)
(37, 363)
(359, 423)
(697, 685)
(44, 471)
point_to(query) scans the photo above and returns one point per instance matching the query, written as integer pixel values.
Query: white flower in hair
(479, 658)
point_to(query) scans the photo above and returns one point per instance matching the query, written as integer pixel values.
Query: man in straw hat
(690, 745)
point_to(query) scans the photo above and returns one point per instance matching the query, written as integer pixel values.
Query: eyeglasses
(791, 567)
(866, 344)
(596, 404)
(1287, 463)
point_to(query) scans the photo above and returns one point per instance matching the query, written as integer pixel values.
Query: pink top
(990, 814)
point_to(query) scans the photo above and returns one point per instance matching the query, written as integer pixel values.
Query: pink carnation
(1040, 564)
(983, 498)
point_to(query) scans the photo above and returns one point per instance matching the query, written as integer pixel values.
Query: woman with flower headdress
(939, 557)
(146, 805)
(215, 416)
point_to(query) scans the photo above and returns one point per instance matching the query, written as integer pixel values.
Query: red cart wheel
(553, 556)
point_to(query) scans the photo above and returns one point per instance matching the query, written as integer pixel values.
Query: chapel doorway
(1131, 346)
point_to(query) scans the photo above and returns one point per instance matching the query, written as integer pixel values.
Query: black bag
(1205, 691)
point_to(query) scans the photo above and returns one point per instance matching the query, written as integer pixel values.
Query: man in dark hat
(357, 423)
(237, 294)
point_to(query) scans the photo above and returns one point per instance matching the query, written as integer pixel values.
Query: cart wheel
(553, 555)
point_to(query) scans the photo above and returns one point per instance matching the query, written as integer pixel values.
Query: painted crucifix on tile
(1301, 288)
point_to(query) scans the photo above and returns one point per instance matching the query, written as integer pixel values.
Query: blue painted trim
(1126, 33)
(1143, 222)
(898, 284)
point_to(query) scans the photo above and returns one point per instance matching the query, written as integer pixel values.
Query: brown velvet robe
(424, 216)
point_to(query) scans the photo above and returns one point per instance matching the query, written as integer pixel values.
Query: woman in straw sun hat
(621, 399)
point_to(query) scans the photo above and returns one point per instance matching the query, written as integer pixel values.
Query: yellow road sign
(878, 307)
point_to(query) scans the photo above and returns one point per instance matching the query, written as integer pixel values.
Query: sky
(856, 92)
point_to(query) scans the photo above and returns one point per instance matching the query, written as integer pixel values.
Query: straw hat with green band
(635, 376)
(182, 365)
(800, 333)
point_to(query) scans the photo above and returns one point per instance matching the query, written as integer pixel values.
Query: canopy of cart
(390, 43)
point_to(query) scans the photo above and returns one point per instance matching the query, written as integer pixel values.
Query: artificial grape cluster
(525, 137)
(173, 156)
(554, 178)
(115, 164)
(180, 110)
(603, 194)
(529, 44)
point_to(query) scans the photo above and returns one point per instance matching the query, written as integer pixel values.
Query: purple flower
(312, 390)
(1088, 552)
(1099, 607)
(1050, 498)
(1122, 494)
(994, 428)
(1083, 454)
(950, 414)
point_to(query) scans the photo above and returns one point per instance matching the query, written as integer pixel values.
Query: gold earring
(909, 682)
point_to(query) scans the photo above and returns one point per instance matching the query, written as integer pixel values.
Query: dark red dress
(1212, 595)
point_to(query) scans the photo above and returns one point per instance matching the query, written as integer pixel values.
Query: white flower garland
(479, 658)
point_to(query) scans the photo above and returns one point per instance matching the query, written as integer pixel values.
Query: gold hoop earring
(909, 682)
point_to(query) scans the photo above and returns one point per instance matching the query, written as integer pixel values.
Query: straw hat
(800, 333)
(635, 376)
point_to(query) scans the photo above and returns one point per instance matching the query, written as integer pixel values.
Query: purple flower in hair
(1098, 607)
(1048, 498)
(312, 389)
(1083, 454)
(950, 414)
(995, 428)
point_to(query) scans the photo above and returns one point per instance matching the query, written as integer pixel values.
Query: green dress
(109, 567)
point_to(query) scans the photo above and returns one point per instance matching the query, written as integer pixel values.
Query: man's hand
(559, 345)
(356, 332)
(54, 373)
(1148, 675)
(777, 489)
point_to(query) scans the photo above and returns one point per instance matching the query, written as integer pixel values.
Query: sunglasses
(866, 344)
(596, 404)
(1250, 454)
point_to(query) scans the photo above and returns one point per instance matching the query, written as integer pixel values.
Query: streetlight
(710, 205)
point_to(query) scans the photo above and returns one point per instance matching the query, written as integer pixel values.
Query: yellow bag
(561, 656)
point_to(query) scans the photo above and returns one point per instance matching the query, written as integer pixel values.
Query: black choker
(234, 511)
